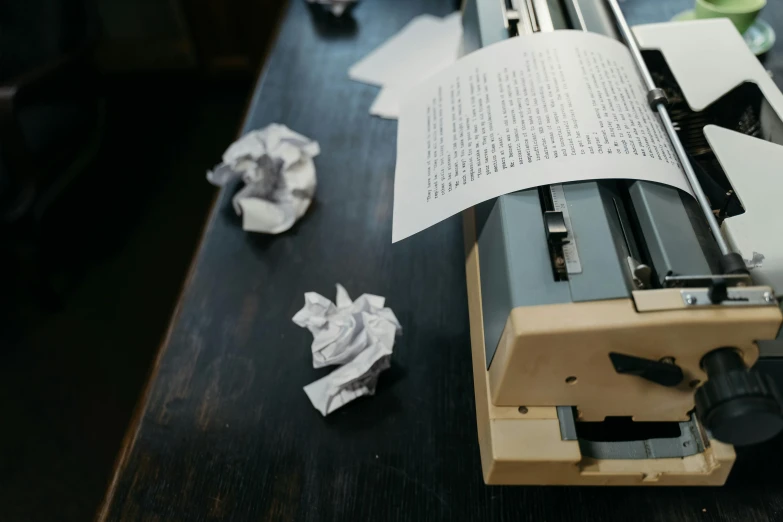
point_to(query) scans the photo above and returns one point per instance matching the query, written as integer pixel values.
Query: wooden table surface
(225, 432)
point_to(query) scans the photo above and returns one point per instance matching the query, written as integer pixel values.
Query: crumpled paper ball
(344, 329)
(276, 166)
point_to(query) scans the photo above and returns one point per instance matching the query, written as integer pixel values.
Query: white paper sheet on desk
(426, 45)
(528, 111)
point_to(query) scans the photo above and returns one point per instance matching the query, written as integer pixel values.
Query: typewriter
(624, 332)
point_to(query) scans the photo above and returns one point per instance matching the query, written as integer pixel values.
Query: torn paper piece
(350, 381)
(423, 47)
(276, 166)
(337, 7)
(342, 331)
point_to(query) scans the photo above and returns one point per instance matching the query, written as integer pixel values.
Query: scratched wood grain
(226, 432)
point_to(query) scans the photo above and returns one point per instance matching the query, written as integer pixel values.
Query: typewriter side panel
(558, 355)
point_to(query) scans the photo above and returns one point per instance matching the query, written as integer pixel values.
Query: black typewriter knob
(739, 406)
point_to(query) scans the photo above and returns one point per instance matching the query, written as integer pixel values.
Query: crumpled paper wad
(359, 335)
(276, 166)
(337, 7)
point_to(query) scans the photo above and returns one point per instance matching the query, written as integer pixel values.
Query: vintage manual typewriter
(623, 332)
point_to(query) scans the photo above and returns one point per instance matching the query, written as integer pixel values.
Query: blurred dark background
(110, 113)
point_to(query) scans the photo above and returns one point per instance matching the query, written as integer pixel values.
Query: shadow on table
(367, 413)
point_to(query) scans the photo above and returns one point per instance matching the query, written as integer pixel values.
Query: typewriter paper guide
(528, 111)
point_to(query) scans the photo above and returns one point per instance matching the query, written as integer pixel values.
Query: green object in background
(742, 13)
(760, 37)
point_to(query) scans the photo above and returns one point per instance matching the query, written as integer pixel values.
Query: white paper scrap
(276, 165)
(387, 103)
(529, 111)
(356, 334)
(382, 65)
(426, 45)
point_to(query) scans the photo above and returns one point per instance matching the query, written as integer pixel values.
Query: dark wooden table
(225, 431)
